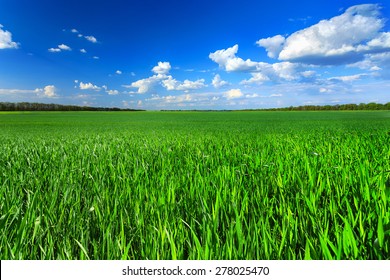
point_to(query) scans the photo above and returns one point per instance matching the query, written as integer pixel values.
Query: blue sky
(200, 54)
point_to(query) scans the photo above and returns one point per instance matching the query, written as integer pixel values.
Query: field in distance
(195, 185)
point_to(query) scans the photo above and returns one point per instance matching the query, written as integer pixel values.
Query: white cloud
(254, 95)
(83, 51)
(273, 45)
(233, 93)
(112, 92)
(64, 47)
(162, 68)
(6, 40)
(170, 83)
(92, 39)
(167, 81)
(96, 57)
(218, 82)
(18, 91)
(89, 86)
(60, 48)
(350, 78)
(189, 85)
(277, 72)
(74, 30)
(54, 50)
(257, 78)
(226, 59)
(119, 72)
(340, 40)
(49, 91)
(144, 85)
(261, 71)
(324, 90)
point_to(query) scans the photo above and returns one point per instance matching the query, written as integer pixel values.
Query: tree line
(342, 107)
(27, 106)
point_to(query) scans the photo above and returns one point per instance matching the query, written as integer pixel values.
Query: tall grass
(195, 185)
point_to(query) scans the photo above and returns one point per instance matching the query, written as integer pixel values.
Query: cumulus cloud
(257, 78)
(83, 51)
(74, 30)
(167, 81)
(53, 50)
(218, 82)
(340, 40)
(227, 59)
(190, 85)
(60, 48)
(118, 72)
(6, 40)
(144, 85)
(92, 39)
(162, 68)
(112, 92)
(273, 45)
(49, 91)
(233, 93)
(261, 71)
(89, 86)
(64, 47)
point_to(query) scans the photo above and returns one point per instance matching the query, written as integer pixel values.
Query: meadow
(195, 185)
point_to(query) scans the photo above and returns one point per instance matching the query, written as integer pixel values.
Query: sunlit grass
(234, 185)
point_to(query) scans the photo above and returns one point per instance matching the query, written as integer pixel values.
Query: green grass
(195, 185)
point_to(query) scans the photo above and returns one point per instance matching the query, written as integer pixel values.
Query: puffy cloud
(112, 92)
(162, 68)
(273, 45)
(6, 40)
(172, 84)
(119, 72)
(261, 71)
(64, 47)
(89, 86)
(226, 59)
(53, 50)
(233, 93)
(167, 81)
(189, 85)
(144, 85)
(49, 91)
(277, 72)
(92, 39)
(340, 40)
(257, 78)
(218, 82)
(96, 57)
(74, 30)
(60, 48)
(83, 51)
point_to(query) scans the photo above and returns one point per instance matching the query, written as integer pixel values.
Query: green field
(195, 185)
